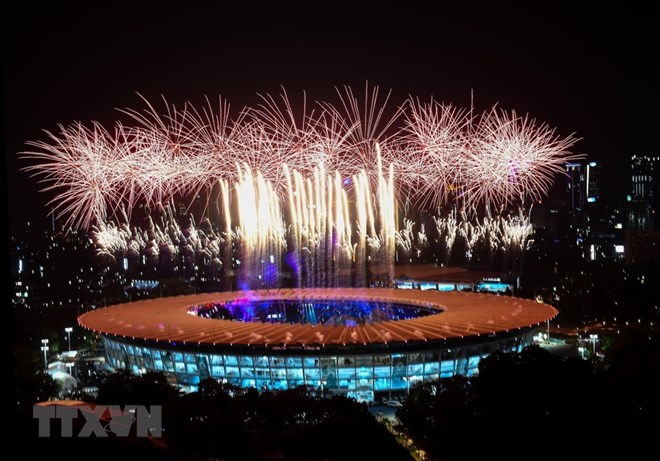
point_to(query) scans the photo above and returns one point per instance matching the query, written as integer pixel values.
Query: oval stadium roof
(460, 315)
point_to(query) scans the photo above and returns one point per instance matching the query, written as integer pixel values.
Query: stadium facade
(358, 342)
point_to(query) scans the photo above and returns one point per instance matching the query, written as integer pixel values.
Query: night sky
(588, 72)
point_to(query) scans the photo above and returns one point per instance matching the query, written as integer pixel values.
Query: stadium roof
(459, 315)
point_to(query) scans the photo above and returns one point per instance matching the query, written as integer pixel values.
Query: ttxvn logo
(100, 420)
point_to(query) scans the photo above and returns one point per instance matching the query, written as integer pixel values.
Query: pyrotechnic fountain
(326, 237)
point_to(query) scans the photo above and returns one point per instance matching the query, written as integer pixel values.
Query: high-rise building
(581, 216)
(575, 187)
(642, 239)
(644, 176)
(644, 193)
(592, 182)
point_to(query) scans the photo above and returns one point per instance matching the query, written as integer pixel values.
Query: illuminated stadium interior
(325, 312)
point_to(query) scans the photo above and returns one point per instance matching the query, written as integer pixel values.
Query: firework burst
(437, 154)
(513, 158)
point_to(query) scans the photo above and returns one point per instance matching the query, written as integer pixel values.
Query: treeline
(223, 421)
(537, 405)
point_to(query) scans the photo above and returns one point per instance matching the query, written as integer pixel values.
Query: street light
(594, 338)
(68, 331)
(581, 349)
(44, 348)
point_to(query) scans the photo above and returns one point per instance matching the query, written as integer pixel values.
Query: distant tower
(644, 170)
(643, 198)
(575, 187)
(642, 238)
(592, 182)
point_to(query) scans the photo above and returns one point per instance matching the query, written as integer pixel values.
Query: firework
(513, 158)
(435, 155)
(432, 160)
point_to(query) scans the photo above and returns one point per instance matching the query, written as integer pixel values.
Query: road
(384, 411)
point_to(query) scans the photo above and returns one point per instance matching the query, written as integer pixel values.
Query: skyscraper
(575, 187)
(644, 172)
(592, 182)
(644, 194)
(642, 238)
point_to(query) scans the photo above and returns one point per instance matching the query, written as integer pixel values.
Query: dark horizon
(588, 73)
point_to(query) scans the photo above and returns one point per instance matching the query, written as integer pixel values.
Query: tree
(33, 384)
(123, 387)
(517, 401)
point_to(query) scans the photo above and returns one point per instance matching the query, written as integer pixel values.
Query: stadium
(291, 211)
(360, 342)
